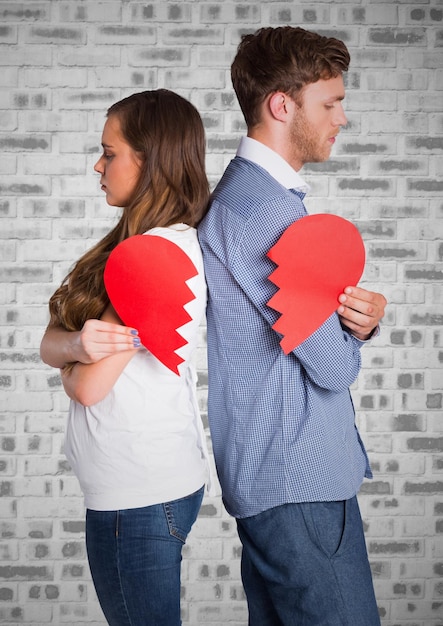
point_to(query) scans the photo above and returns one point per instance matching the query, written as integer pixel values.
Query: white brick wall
(62, 64)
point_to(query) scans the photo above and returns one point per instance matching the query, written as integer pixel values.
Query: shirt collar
(272, 162)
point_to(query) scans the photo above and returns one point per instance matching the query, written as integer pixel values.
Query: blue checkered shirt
(282, 426)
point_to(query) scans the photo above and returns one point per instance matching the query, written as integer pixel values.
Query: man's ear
(278, 105)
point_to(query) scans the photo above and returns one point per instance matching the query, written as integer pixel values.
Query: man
(289, 457)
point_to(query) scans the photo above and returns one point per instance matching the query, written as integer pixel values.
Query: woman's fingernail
(134, 332)
(136, 342)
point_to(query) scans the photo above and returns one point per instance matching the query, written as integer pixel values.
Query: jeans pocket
(181, 514)
(329, 525)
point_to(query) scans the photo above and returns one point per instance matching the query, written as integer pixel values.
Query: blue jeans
(306, 564)
(135, 558)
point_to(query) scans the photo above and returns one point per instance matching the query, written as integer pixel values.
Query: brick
(24, 12)
(379, 80)
(204, 79)
(53, 208)
(426, 443)
(8, 252)
(309, 16)
(89, 99)
(424, 143)
(399, 423)
(427, 186)
(90, 12)
(391, 251)
(8, 34)
(367, 57)
(357, 186)
(53, 35)
(434, 487)
(8, 122)
(397, 36)
(222, 144)
(371, 401)
(427, 318)
(413, 527)
(393, 506)
(102, 56)
(24, 274)
(379, 14)
(162, 12)
(424, 15)
(334, 166)
(25, 572)
(218, 56)
(396, 166)
(224, 13)
(28, 56)
(30, 100)
(379, 527)
(22, 143)
(64, 165)
(417, 101)
(137, 79)
(125, 34)
(213, 612)
(187, 35)
(376, 487)
(394, 548)
(54, 78)
(414, 590)
(418, 609)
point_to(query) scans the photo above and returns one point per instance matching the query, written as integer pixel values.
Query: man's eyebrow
(334, 99)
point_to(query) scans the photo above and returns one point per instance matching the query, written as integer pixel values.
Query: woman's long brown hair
(167, 133)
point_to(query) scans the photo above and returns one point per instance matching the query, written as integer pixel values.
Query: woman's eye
(107, 156)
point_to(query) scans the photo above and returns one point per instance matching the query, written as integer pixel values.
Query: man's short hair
(283, 59)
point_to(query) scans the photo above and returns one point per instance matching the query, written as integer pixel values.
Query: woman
(134, 436)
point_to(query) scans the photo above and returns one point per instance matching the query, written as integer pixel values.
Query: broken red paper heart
(145, 278)
(317, 257)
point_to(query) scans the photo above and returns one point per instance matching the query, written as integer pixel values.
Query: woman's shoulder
(175, 232)
(182, 235)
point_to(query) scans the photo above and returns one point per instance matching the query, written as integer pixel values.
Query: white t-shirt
(144, 443)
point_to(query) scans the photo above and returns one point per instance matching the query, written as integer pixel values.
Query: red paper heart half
(317, 257)
(145, 278)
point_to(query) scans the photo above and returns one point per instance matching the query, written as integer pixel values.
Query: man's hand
(360, 311)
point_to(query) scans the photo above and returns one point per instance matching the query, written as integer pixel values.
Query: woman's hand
(97, 340)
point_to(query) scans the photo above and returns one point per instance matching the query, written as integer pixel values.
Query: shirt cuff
(374, 333)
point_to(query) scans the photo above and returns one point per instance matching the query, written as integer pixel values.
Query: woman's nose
(98, 167)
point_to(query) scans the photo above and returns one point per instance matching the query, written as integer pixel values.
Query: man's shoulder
(244, 184)
(245, 175)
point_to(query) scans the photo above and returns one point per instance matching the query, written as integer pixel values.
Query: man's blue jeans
(306, 565)
(135, 557)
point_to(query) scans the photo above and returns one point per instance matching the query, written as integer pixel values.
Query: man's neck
(275, 142)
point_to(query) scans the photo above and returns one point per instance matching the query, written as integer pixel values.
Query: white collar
(272, 162)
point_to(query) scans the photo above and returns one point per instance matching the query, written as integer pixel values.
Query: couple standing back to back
(289, 457)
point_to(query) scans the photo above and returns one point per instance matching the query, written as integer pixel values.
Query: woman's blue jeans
(135, 558)
(306, 565)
